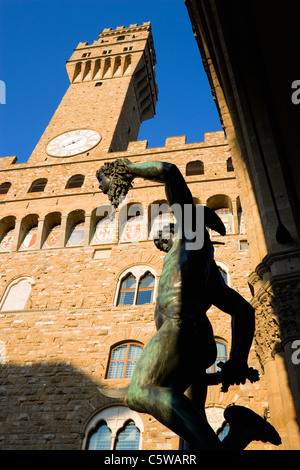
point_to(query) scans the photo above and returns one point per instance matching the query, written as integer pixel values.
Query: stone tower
(112, 90)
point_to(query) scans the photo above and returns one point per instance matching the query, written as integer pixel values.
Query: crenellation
(5, 162)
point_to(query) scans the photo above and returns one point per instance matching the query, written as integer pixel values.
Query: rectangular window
(243, 245)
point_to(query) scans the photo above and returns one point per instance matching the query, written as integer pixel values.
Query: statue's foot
(250, 425)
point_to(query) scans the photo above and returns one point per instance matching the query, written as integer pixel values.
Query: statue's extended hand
(236, 373)
(232, 373)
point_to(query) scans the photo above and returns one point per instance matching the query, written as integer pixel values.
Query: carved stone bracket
(277, 307)
(275, 285)
(267, 331)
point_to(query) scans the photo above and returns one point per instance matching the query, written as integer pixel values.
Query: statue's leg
(163, 373)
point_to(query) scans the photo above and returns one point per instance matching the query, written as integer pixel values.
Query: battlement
(210, 139)
(5, 162)
(146, 26)
(121, 33)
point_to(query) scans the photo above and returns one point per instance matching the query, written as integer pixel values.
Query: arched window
(224, 271)
(75, 181)
(4, 188)
(146, 290)
(195, 168)
(38, 185)
(221, 356)
(229, 164)
(127, 291)
(223, 274)
(222, 205)
(114, 428)
(16, 294)
(128, 438)
(223, 432)
(123, 360)
(136, 286)
(101, 438)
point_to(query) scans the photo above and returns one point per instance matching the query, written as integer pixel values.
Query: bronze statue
(170, 380)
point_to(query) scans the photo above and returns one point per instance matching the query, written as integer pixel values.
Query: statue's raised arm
(116, 178)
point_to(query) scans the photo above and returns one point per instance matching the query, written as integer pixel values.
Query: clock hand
(71, 143)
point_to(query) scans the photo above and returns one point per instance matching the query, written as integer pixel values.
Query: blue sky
(37, 37)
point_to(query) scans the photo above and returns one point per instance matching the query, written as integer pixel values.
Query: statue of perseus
(170, 380)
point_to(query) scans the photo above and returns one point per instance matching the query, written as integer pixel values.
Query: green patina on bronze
(170, 380)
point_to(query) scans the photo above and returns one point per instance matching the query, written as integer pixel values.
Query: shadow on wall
(46, 406)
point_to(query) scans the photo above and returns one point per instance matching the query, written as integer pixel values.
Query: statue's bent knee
(131, 398)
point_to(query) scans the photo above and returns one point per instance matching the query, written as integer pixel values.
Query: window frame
(229, 165)
(72, 178)
(120, 431)
(198, 170)
(35, 186)
(138, 271)
(223, 266)
(121, 290)
(224, 343)
(13, 283)
(116, 418)
(5, 187)
(125, 360)
(140, 289)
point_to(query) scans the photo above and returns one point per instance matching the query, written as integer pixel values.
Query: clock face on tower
(73, 142)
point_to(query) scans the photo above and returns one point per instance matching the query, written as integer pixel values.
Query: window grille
(123, 361)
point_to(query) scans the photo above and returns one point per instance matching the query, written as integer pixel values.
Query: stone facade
(60, 274)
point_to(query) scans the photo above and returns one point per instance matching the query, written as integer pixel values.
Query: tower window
(38, 185)
(121, 38)
(123, 361)
(243, 245)
(86, 54)
(195, 168)
(98, 83)
(4, 188)
(75, 181)
(127, 48)
(106, 51)
(230, 165)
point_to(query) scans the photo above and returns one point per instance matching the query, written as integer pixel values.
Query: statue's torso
(182, 283)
